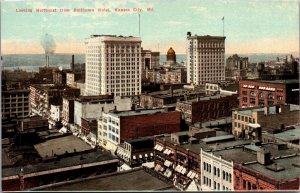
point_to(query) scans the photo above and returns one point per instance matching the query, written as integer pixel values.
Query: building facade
(15, 103)
(216, 173)
(113, 65)
(244, 120)
(254, 93)
(236, 67)
(93, 106)
(207, 108)
(205, 59)
(116, 126)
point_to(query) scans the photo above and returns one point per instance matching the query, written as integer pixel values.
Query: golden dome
(171, 51)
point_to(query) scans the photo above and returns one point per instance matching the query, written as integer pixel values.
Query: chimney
(72, 63)
(189, 34)
(264, 157)
(171, 91)
(266, 110)
(281, 127)
(46, 59)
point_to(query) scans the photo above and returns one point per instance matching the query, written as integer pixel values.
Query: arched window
(270, 96)
(261, 95)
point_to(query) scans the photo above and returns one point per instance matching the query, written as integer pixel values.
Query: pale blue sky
(251, 26)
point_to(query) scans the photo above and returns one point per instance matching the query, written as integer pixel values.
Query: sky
(250, 26)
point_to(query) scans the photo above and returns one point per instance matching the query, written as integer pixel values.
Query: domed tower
(171, 56)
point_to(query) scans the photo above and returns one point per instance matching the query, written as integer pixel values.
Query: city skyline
(250, 27)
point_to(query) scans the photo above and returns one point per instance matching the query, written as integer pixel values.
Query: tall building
(113, 65)
(205, 59)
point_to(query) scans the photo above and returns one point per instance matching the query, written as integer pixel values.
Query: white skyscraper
(113, 65)
(205, 59)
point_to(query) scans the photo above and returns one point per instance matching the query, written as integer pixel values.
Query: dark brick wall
(213, 109)
(148, 125)
(288, 96)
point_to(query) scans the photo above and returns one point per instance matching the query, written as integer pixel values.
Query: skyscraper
(205, 59)
(113, 65)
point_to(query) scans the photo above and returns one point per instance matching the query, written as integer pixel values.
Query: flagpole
(223, 25)
(139, 26)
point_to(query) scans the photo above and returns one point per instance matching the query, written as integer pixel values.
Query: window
(223, 175)
(252, 100)
(261, 95)
(204, 165)
(244, 184)
(218, 186)
(244, 99)
(244, 92)
(215, 185)
(249, 185)
(252, 93)
(229, 177)
(280, 98)
(215, 171)
(218, 172)
(270, 96)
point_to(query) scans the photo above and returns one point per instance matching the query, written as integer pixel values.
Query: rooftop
(136, 112)
(289, 135)
(176, 92)
(206, 98)
(207, 37)
(216, 122)
(133, 180)
(272, 109)
(288, 81)
(91, 157)
(95, 98)
(289, 163)
(61, 145)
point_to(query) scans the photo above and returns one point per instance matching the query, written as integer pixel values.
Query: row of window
(244, 118)
(216, 171)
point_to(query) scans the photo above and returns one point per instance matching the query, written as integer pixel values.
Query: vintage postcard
(150, 95)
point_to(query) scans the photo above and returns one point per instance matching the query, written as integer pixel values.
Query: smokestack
(72, 64)
(46, 61)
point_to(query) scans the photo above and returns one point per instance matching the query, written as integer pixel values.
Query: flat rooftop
(207, 147)
(60, 145)
(136, 112)
(176, 92)
(287, 136)
(290, 165)
(206, 98)
(95, 98)
(272, 109)
(288, 81)
(247, 153)
(215, 123)
(133, 180)
(86, 158)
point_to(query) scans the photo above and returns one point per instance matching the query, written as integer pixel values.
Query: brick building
(207, 108)
(89, 130)
(58, 170)
(67, 111)
(281, 173)
(254, 93)
(267, 118)
(167, 97)
(175, 74)
(116, 126)
(15, 103)
(135, 152)
(43, 95)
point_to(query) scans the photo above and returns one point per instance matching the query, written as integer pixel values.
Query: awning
(183, 171)
(189, 174)
(167, 163)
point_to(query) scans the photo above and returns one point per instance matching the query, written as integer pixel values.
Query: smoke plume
(48, 44)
